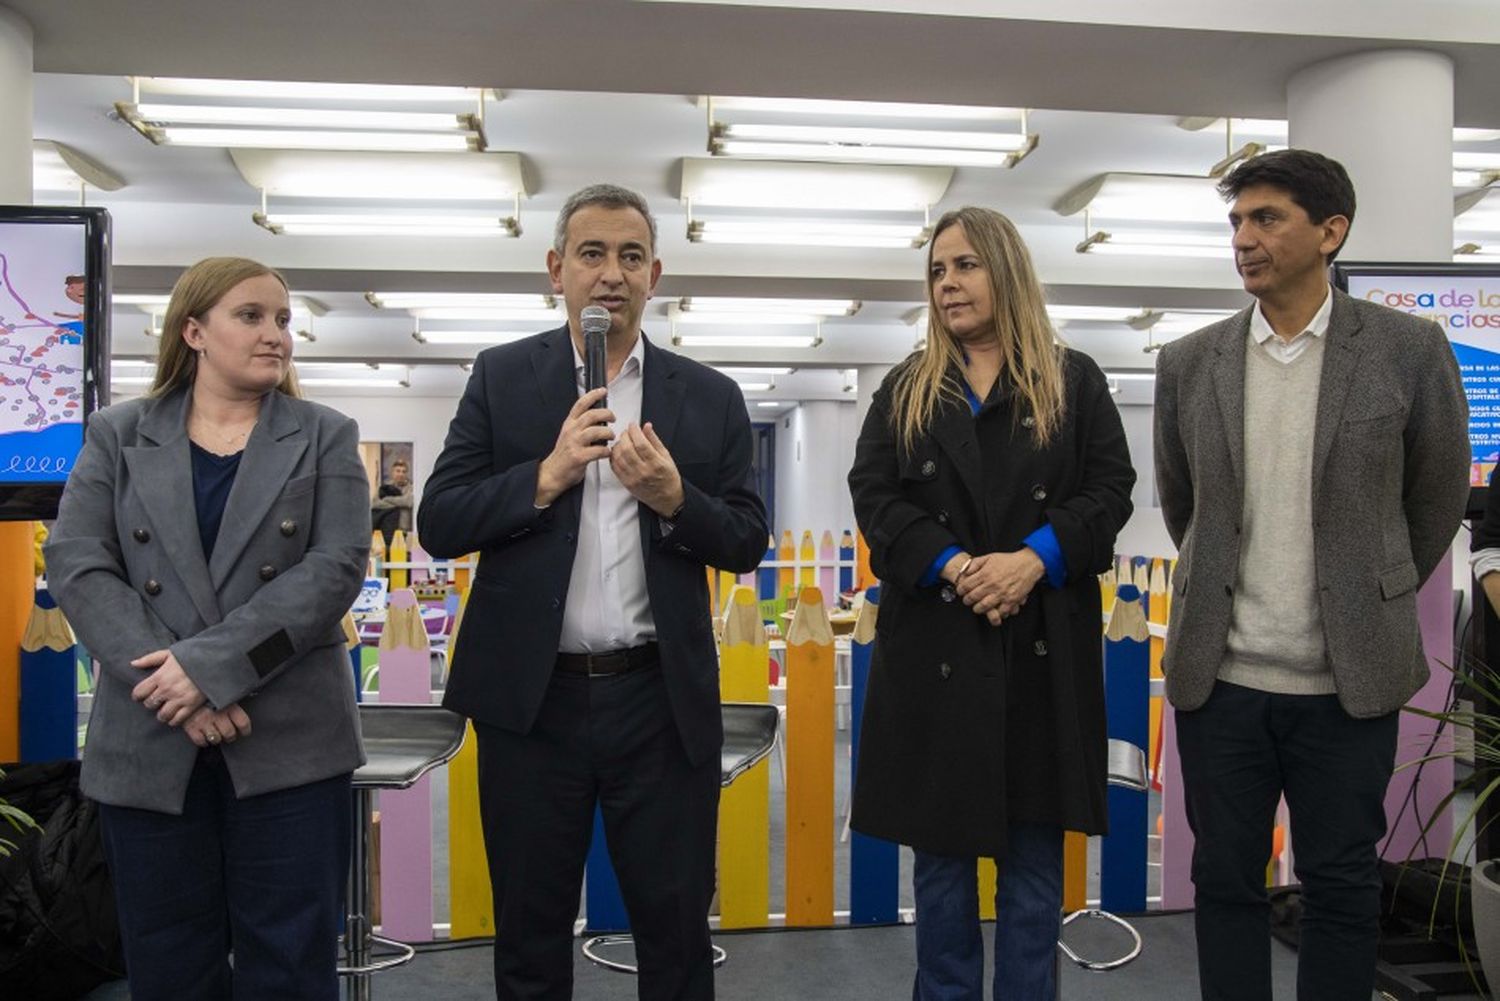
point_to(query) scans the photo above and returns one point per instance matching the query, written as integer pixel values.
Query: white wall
(814, 450)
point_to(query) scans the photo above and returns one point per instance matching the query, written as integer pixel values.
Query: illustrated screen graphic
(43, 291)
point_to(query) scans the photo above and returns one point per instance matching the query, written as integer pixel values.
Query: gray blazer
(1389, 484)
(259, 624)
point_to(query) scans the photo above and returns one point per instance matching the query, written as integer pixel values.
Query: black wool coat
(967, 726)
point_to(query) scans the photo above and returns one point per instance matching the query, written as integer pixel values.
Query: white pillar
(1388, 118)
(15, 108)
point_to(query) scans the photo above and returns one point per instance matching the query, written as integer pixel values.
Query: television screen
(1463, 299)
(54, 347)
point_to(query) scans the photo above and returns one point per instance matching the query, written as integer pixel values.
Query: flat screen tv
(1463, 299)
(54, 348)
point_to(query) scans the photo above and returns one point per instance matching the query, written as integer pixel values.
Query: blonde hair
(199, 290)
(1029, 353)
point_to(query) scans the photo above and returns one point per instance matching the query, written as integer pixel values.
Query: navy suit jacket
(480, 499)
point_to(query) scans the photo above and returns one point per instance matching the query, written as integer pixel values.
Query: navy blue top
(213, 475)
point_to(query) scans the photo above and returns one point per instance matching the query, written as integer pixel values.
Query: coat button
(1228, 591)
(289, 527)
(141, 535)
(947, 593)
(944, 671)
(1038, 493)
(1040, 648)
(153, 587)
(929, 467)
(556, 603)
(942, 517)
(267, 572)
(1028, 421)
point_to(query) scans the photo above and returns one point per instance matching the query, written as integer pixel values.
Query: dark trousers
(1240, 753)
(610, 741)
(262, 877)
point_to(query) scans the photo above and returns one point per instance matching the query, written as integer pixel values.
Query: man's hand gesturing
(585, 437)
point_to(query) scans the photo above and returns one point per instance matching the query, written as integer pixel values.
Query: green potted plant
(16, 817)
(1480, 731)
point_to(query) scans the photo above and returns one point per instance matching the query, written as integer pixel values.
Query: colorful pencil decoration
(828, 574)
(406, 814)
(1127, 669)
(847, 557)
(807, 555)
(809, 766)
(48, 685)
(745, 806)
(786, 576)
(399, 575)
(471, 909)
(874, 864)
(377, 555)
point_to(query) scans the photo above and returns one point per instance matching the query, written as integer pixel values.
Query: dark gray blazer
(259, 624)
(1389, 484)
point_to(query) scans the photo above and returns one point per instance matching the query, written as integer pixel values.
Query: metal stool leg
(359, 935)
(1109, 964)
(592, 947)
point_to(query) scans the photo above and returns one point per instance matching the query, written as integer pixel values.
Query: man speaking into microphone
(586, 658)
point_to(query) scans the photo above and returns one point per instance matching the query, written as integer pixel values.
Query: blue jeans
(262, 877)
(1028, 921)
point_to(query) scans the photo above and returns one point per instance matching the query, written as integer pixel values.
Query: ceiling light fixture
(809, 233)
(1156, 245)
(491, 314)
(733, 370)
(232, 125)
(385, 224)
(833, 139)
(308, 91)
(301, 173)
(461, 300)
(720, 305)
(746, 340)
(1159, 198)
(480, 337)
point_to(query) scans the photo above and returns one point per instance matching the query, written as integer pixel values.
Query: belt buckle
(590, 659)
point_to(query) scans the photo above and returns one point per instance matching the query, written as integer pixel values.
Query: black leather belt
(599, 665)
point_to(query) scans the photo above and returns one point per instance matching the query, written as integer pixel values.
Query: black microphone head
(594, 320)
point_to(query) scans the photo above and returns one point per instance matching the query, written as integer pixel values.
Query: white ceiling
(632, 69)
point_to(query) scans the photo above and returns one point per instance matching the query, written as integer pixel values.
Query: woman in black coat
(990, 480)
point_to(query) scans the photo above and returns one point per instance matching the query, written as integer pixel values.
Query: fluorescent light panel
(508, 314)
(282, 89)
(460, 300)
(736, 304)
(421, 176)
(865, 109)
(484, 337)
(808, 233)
(746, 341)
(1093, 314)
(302, 118)
(229, 138)
(350, 224)
(836, 152)
(733, 370)
(355, 383)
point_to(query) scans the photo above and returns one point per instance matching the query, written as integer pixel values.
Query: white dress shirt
(1287, 351)
(608, 608)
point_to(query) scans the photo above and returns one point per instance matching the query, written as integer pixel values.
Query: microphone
(595, 321)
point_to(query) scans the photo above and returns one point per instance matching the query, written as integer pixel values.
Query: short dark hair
(1318, 184)
(74, 280)
(610, 196)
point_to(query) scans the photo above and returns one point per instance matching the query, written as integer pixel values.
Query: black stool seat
(402, 743)
(749, 735)
(405, 742)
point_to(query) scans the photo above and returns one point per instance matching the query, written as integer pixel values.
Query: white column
(15, 108)
(1388, 118)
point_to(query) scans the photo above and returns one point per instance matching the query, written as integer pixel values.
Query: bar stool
(749, 735)
(402, 743)
(1127, 769)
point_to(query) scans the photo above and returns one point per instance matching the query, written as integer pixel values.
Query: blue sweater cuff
(931, 576)
(1044, 543)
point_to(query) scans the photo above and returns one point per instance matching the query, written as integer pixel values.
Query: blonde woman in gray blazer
(210, 539)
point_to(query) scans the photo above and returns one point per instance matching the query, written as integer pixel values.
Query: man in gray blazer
(1312, 462)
